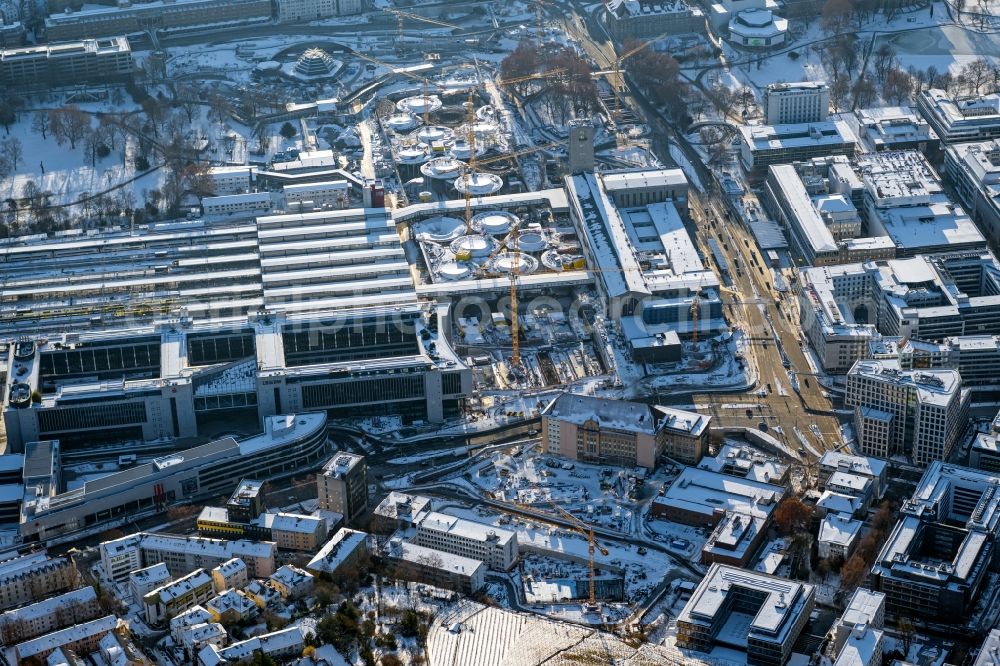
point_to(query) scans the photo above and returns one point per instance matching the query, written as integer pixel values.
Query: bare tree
(883, 60)
(13, 151)
(41, 123)
(976, 74)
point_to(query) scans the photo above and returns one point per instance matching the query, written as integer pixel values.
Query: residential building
(919, 413)
(82, 638)
(638, 19)
(231, 607)
(192, 617)
(294, 11)
(890, 128)
(495, 546)
(187, 591)
(288, 444)
(343, 555)
(764, 145)
(262, 594)
(143, 581)
(291, 582)
(838, 536)
(751, 612)
(342, 486)
(229, 575)
(411, 562)
(28, 578)
(791, 103)
(49, 615)
(182, 554)
(957, 119)
(939, 555)
(97, 21)
(280, 646)
(194, 639)
(68, 63)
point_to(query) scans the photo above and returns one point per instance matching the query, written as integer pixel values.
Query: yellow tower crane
(616, 73)
(400, 15)
(427, 83)
(592, 547)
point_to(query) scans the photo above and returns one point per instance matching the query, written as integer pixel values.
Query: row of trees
(568, 91)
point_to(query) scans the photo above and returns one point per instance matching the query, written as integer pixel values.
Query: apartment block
(183, 554)
(49, 615)
(28, 578)
(67, 63)
(187, 591)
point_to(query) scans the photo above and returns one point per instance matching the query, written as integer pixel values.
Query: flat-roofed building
(97, 21)
(143, 581)
(495, 546)
(245, 204)
(919, 413)
(974, 169)
(409, 561)
(231, 179)
(310, 196)
(889, 128)
(182, 554)
(764, 145)
(342, 485)
(956, 118)
(752, 612)
(67, 63)
(636, 19)
(939, 556)
(293, 11)
(800, 102)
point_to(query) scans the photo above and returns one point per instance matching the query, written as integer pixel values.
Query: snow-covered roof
(838, 529)
(289, 522)
(73, 634)
(863, 645)
(46, 607)
(429, 557)
(467, 529)
(607, 413)
(337, 550)
(340, 463)
(195, 580)
(705, 492)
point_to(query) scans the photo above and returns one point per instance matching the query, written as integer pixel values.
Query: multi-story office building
(293, 11)
(940, 554)
(652, 275)
(247, 501)
(930, 298)
(751, 612)
(288, 443)
(989, 651)
(791, 103)
(342, 485)
(974, 170)
(871, 469)
(495, 546)
(28, 578)
(764, 145)
(310, 196)
(411, 562)
(231, 179)
(251, 318)
(620, 432)
(187, 591)
(106, 21)
(51, 614)
(858, 633)
(919, 413)
(890, 128)
(70, 63)
(236, 205)
(183, 554)
(958, 119)
(637, 19)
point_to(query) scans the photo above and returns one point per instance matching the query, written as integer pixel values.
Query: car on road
(802, 450)
(807, 382)
(762, 426)
(749, 413)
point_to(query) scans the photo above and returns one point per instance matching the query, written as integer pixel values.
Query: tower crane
(400, 15)
(617, 71)
(592, 547)
(412, 75)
